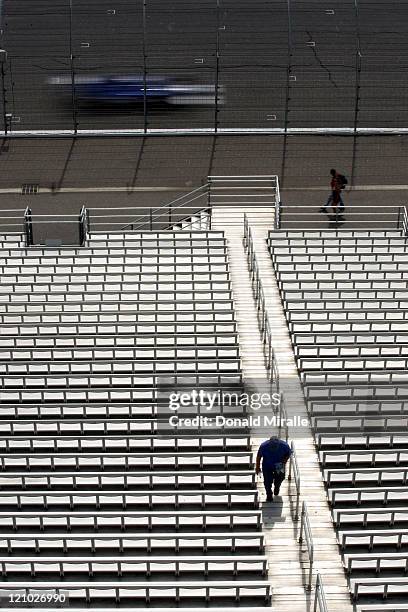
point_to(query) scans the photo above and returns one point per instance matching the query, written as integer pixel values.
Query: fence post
(170, 210)
(209, 201)
(88, 221)
(28, 226)
(72, 69)
(3, 60)
(151, 219)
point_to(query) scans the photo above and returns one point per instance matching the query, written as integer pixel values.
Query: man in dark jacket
(336, 187)
(274, 454)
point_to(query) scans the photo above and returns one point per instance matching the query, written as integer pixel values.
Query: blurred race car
(130, 90)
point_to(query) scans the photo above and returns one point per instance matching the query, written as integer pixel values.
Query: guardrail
(59, 229)
(190, 210)
(261, 190)
(295, 475)
(320, 597)
(306, 535)
(292, 216)
(12, 223)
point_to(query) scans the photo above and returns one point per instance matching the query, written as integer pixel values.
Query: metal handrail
(320, 597)
(306, 534)
(283, 418)
(278, 206)
(403, 220)
(271, 362)
(159, 214)
(150, 216)
(295, 474)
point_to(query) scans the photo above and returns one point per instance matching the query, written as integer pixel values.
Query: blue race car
(131, 90)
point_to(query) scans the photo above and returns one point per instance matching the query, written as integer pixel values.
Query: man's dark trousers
(272, 478)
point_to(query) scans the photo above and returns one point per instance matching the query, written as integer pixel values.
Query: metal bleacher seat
(101, 500)
(345, 298)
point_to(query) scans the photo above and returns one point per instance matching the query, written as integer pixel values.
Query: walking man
(337, 184)
(274, 454)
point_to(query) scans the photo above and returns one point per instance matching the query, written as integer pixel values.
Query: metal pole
(357, 92)
(151, 219)
(28, 226)
(144, 42)
(287, 95)
(217, 68)
(72, 67)
(169, 215)
(3, 60)
(209, 199)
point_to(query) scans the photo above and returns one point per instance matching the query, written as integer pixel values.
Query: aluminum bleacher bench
(386, 496)
(364, 476)
(333, 233)
(383, 587)
(343, 285)
(357, 457)
(166, 340)
(365, 407)
(136, 592)
(41, 442)
(303, 257)
(359, 423)
(383, 607)
(360, 349)
(130, 520)
(329, 274)
(394, 517)
(236, 542)
(86, 567)
(205, 460)
(113, 499)
(369, 539)
(128, 481)
(375, 562)
(362, 440)
(308, 364)
(112, 417)
(172, 276)
(168, 236)
(146, 328)
(150, 365)
(377, 338)
(390, 387)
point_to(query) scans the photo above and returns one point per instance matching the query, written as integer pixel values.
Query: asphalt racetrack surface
(150, 172)
(322, 63)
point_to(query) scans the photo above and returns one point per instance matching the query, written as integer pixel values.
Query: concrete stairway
(288, 564)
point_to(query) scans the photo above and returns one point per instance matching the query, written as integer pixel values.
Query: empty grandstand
(113, 496)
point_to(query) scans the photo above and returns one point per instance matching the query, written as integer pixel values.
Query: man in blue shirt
(274, 454)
